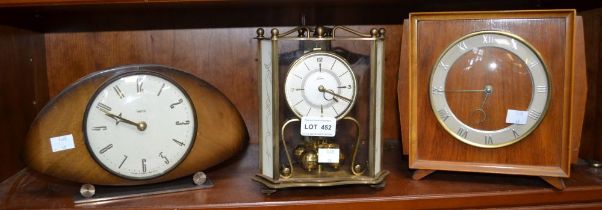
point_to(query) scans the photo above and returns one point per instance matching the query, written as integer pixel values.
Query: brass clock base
(90, 193)
(376, 181)
(556, 182)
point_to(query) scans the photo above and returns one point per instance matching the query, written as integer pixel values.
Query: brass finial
(373, 32)
(260, 32)
(320, 31)
(381, 32)
(275, 32)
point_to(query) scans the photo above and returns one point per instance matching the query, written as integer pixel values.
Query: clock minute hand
(464, 91)
(323, 90)
(141, 125)
(488, 90)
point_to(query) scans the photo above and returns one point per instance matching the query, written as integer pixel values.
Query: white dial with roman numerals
(320, 84)
(139, 125)
(479, 78)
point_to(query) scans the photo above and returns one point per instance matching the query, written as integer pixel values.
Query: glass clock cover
(489, 89)
(324, 79)
(140, 126)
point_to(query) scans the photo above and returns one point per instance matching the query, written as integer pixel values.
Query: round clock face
(140, 125)
(320, 84)
(489, 89)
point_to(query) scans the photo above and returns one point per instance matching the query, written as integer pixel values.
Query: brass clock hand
(488, 90)
(464, 91)
(328, 99)
(324, 94)
(140, 125)
(323, 90)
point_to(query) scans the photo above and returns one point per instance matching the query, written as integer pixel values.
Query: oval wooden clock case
(220, 130)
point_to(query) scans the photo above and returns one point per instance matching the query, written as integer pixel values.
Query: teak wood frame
(572, 76)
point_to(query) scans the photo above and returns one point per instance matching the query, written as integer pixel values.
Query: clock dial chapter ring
(480, 44)
(320, 84)
(125, 106)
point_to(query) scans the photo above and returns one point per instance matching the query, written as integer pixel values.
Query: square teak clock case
(493, 92)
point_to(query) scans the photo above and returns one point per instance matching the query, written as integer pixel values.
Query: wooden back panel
(225, 58)
(23, 92)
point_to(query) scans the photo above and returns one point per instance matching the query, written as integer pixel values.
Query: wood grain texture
(403, 87)
(22, 92)
(234, 189)
(579, 91)
(472, 71)
(220, 132)
(579, 101)
(591, 146)
(544, 152)
(225, 58)
(557, 182)
(421, 173)
(466, 4)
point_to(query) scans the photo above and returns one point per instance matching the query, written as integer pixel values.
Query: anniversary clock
(486, 93)
(321, 107)
(134, 125)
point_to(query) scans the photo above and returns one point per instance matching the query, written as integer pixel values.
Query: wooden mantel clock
(134, 125)
(493, 92)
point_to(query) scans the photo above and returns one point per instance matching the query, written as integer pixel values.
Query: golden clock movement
(492, 92)
(321, 107)
(133, 125)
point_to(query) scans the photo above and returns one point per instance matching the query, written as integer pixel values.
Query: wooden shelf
(47, 44)
(234, 189)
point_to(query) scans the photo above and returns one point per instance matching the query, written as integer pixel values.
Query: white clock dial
(140, 126)
(320, 84)
(488, 67)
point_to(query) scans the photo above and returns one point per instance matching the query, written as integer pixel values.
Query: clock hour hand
(324, 95)
(487, 90)
(140, 125)
(328, 99)
(323, 90)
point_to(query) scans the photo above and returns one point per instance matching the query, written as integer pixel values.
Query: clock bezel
(131, 73)
(328, 53)
(533, 89)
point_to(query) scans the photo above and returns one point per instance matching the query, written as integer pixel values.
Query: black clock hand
(141, 125)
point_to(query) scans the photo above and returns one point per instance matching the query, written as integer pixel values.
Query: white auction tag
(517, 117)
(328, 155)
(318, 126)
(61, 143)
